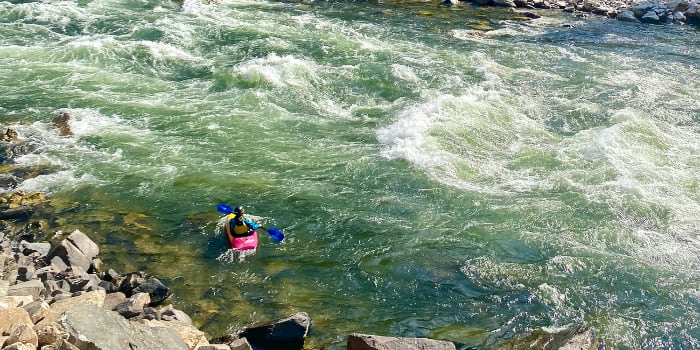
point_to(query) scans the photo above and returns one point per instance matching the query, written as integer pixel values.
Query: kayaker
(239, 224)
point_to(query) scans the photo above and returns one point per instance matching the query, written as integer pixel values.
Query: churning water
(432, 179)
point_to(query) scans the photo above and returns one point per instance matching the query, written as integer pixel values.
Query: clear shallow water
(432, 180)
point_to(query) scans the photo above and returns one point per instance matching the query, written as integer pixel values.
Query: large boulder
(693, 13)
(358, 341)
(92, 327)
(288, 333)
(76, 250)
(12, 316)
(58, 308)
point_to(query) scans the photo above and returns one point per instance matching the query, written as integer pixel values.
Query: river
(457, 173)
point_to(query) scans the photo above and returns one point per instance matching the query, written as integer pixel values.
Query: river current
(457, 173)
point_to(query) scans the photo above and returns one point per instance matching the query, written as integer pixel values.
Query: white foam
(279, 71)
(57, 182)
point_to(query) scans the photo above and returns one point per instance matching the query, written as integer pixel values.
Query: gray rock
(627, 16)
(155, 288)
(113, 299)
(651, 17)
(504, 3)
(288, 333)
(60, 344)
(27, 248)
(91, 327)
(374, 342)
(133, 306)
(169, 313)
(33, 288)
(76, 250)
(214, 347)
(36, 309)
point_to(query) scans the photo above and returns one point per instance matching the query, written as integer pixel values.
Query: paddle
(276, 234)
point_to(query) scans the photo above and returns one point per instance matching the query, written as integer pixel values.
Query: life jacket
(240, 228)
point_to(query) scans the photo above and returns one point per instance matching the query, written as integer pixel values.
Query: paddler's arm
(252, 224)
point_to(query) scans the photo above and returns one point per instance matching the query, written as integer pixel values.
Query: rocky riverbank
(652, 11)
(56, 293)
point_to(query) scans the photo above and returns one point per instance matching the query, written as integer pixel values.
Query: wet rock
(10, 135)
(61, 123)
(374, 342)
(17, 214)
(288, 333)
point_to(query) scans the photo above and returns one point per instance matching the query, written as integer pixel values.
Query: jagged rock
(693, 13)
(22, 333)
(113, 299)
(192, 336)
(169, 313)
(19, 346)
(58, 308)
(627, 16)
(10, 135)
(50, 334)
(111, 276)
(133, 306)
(80, 280)
(76, 250)
(60, 344)
(28, 248)
(91, 327)
(214, 347)
(61, 123)
(138, 282)
(13, 315)
(33, 288)
(36, 309)
(150, 313)
(108, 286)
(18, 300)
(358, 341)
(288, 333)
(9, 269)
(240, 344)
(4, 286)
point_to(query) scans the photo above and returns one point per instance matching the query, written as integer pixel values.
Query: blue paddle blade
(224, 209)
(276, 234)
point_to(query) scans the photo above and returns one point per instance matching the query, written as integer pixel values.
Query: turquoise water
(433, 180)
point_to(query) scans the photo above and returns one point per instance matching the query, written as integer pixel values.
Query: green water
(433, 180)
